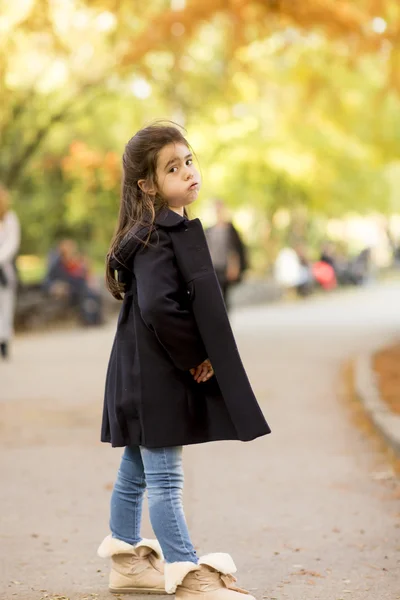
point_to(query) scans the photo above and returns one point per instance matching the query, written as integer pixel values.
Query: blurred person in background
(325, 270)
(9, 244)
(324, 275)
(306, 279)
(328, 255)
(288, 269)
(293, 271)
(354, 270)
(68, 275)
(361, 267)
(228, 252)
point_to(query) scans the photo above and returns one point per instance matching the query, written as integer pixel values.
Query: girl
(9, 244)
(174, 377)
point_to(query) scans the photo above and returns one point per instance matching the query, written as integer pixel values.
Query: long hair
(137, 208)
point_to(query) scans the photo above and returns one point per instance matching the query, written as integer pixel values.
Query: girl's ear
(147, 187)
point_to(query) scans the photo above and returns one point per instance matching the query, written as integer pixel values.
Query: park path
(309, 512)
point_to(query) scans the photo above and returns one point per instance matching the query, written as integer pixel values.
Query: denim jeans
(160, 471)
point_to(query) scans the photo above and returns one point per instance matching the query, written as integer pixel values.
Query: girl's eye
(173, 169)
(189, 161)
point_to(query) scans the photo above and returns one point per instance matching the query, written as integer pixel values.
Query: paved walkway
(309, 512)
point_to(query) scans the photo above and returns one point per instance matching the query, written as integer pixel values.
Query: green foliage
(300, 112)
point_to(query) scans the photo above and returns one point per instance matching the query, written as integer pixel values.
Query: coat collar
(168, 218)
(165, 218)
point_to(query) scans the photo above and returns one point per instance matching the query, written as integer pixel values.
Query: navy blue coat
(172, 318)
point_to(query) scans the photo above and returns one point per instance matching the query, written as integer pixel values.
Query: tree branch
(14, 172)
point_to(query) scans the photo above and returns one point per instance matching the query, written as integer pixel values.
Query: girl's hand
(203, 372)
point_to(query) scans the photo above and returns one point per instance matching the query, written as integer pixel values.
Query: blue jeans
(160, 470)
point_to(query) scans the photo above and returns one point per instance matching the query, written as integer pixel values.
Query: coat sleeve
(159, 291)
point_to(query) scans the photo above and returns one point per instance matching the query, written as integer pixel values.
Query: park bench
(36, 309)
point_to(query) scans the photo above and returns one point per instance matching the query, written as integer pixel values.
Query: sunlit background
(292, 108)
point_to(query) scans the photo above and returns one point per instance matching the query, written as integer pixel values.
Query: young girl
(175, 376)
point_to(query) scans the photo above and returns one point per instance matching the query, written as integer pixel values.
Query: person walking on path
(228, 252)
(175, 376)
(9, 245)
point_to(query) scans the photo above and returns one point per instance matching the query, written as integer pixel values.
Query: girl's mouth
(194, 186)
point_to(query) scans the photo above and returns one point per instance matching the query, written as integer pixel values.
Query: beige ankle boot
(134, 569)
(211, 579)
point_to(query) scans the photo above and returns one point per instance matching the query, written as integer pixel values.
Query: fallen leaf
(309, 573)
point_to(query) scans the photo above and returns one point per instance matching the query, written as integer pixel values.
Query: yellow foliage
(91, 166)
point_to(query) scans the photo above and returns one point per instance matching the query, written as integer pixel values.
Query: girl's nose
(188, 175)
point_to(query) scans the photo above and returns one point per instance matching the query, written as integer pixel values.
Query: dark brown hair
(138, 209)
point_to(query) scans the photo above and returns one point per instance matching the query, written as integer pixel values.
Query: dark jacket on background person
(240, 249)
(172, 318)
(329, 260)
(235, 245)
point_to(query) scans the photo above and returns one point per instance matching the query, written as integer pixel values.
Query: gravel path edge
(366, 385)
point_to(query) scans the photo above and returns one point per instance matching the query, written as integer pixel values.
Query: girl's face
(178, 180)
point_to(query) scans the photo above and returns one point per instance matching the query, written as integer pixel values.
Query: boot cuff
(111, 546)
(153, 545)
(220, 561)
(175, 573)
